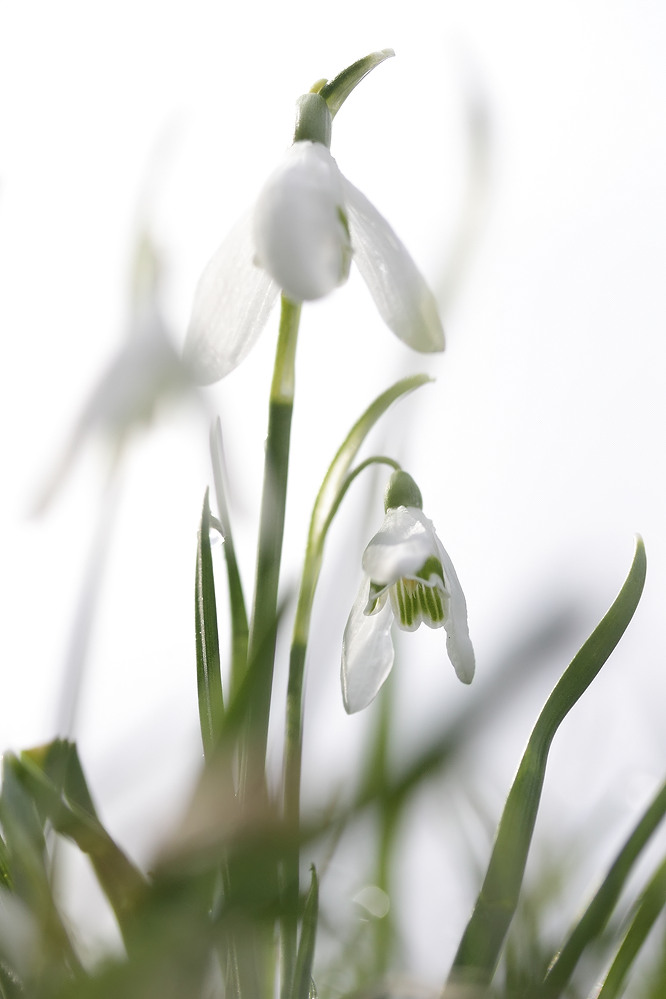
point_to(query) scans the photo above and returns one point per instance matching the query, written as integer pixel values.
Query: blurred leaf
(209, 680)
(482, 940)
(647, 909)
(44, 938)
(303, 986)
(53, 777)
(598, 912)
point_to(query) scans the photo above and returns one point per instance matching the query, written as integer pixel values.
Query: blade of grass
(481, 944)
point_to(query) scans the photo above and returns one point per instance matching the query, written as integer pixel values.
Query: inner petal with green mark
(414, 601)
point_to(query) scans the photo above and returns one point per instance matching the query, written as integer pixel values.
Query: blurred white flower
(307, 225)
(409, 578)
(145, 370)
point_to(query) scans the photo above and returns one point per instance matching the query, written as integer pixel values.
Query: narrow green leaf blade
(239, 621)
(648, 908)
(304, 959)
(53, 778)
(209, 680)
(600, 909)
(481, 944)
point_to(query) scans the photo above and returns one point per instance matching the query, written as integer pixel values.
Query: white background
(539, 450)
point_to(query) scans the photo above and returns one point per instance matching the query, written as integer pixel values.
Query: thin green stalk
(294, 710)
(336, 482)
(261, 653)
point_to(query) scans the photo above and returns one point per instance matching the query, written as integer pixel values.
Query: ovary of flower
(409, 579)
(308, 224)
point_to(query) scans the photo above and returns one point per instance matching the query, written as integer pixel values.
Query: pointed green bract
(482, 940)
(336, 91)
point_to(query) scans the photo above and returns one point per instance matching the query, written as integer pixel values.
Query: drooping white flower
(144, 371)
(409, 579)
(307, 225)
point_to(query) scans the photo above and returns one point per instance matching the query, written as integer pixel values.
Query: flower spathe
(409, 579)
(306, 227)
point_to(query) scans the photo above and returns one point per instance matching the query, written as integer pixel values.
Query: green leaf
(600, 909)
(647, 910)
(239, 623)
(209, 680)
(32, 901)
(482, 940)
(302, 988)
(53, 778)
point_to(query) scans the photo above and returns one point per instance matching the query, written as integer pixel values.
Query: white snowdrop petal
(232, 303)
(401, 548)
(367, 652)
(300, 235)
(403, 298)
(458, 643)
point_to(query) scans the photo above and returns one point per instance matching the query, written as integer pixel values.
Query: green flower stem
(336, 482)
(311, 569)
(261, 652)
(294, 712)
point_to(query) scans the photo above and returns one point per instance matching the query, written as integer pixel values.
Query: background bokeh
(519, 150)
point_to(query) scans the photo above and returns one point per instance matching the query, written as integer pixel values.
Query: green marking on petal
(347, 252)
(431, 567)
(375, 601)
(415, 602)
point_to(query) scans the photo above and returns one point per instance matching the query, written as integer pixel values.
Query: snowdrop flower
(308, 224)
(144, 371)
(409, 579)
